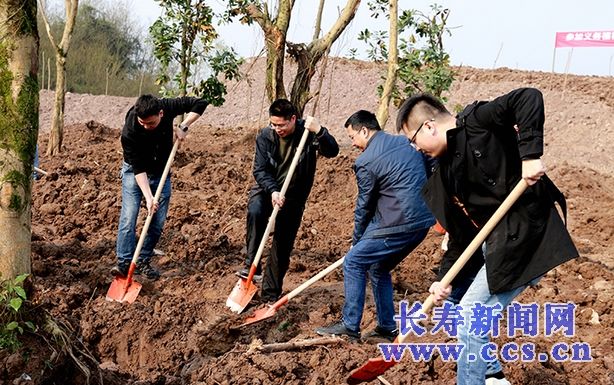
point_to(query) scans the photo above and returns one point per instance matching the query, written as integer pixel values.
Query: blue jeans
(377, 257)
(473, 372)
(131, 203)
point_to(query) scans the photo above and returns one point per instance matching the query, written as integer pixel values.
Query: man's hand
(277, 199)
(532, 170)
(439, 292)
(151, 206)
(312, 124)
(181, 131)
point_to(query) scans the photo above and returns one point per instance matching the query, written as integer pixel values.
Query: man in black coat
(482, 154)
(275, 148)
(147, 141)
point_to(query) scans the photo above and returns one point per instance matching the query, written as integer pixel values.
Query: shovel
(126, 289)
(269, 311)
(377, 366)
(245, 289)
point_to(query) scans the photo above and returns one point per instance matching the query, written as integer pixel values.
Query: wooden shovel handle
(315, 278)
(167, 168)
(284, 188)
(521, 186)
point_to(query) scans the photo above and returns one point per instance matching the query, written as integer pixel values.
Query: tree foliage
(113, 53)
(424, 65)
(184, 44)
(12, 323)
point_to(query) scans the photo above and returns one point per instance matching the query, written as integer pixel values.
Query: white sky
(517, 34)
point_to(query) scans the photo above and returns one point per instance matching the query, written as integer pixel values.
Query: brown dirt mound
(179, 330)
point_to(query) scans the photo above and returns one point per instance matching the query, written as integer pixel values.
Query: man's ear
(161, 113)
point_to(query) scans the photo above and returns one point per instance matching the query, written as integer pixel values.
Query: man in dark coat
(147, 141)
(275, 148)
(483, 153)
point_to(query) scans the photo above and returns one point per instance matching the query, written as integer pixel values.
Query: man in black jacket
(275, 147)
(147, 141)
(482, 155)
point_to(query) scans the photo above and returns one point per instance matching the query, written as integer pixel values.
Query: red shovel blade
(123, 290)
(370, 371)
(266, 312)
(260, 315)
(241, 294)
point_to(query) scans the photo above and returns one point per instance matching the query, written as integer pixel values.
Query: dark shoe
(244, 273)
(148, 271)
(119, 271)
(268, 300)
(382, 334)
(338, 329)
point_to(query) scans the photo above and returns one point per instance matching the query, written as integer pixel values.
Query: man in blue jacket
(390, 220)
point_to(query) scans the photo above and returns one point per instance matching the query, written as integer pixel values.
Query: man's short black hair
(146, 106)
(283, 108)
(428, 103)
(363, 118)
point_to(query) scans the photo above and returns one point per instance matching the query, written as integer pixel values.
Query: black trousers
(259, 209)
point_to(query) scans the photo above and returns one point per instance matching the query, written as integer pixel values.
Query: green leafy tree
(423, 63)
(184, 43)
(275, 24)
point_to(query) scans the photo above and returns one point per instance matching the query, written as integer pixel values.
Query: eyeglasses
(413, 138)
(356, 133)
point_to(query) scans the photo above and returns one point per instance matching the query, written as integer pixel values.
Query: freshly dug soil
(179, 330)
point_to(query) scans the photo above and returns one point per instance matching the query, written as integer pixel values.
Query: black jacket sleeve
(182, 105)
(261, 172)
(326, 143)
(135, 152)
(523, 108)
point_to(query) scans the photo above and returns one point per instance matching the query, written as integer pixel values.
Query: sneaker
(381, 333)
(119, 271)
(337, 329)
(497, 381)
(148, 271)
(244, 273)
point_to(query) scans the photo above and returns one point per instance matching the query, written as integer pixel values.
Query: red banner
(585, 39)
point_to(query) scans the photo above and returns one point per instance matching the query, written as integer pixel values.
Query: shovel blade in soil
(241, 294)
(260, 315)
(370, 371)
(123, 290)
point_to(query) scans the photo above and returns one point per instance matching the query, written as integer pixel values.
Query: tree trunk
(393, 66)
(56, 136)
(275, 47)
(307, 57)
(18, 131)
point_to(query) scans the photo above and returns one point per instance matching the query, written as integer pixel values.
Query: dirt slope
(179, 330)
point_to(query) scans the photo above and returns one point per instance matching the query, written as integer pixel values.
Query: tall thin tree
(56, 136)
(18, 131)
(393, 65)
